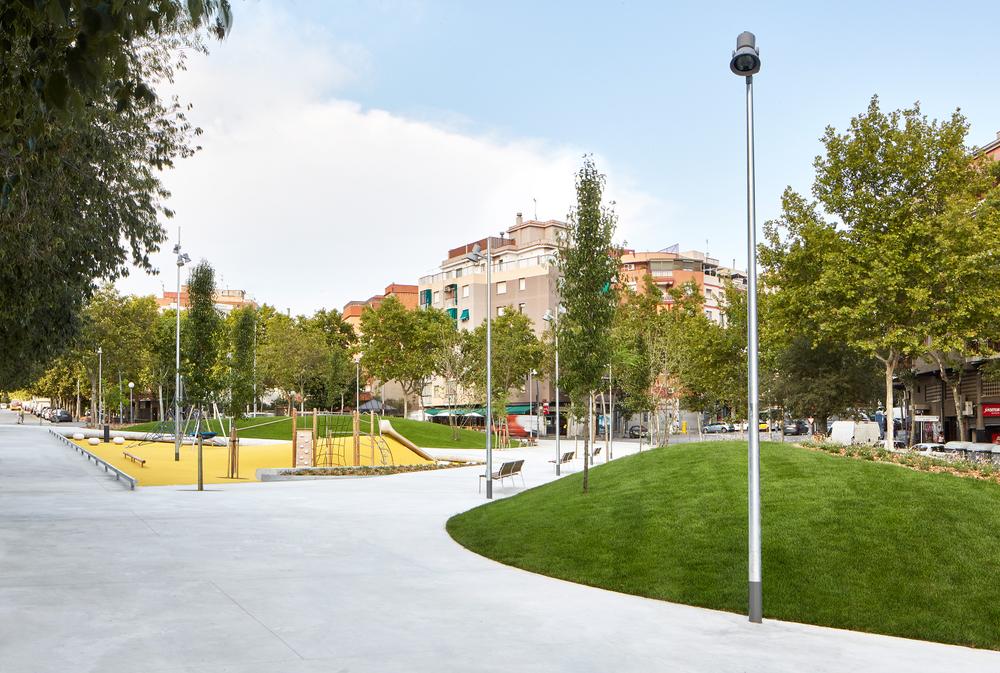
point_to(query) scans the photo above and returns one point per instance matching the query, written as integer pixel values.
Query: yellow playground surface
(160, 468)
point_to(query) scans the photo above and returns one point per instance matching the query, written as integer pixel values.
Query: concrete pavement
(345, 575)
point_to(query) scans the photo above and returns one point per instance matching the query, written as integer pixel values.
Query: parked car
(763, 426)
(928, 446)
(44, 413)
(637, 431)
(60, 416)
(716, 427)
(796, 427)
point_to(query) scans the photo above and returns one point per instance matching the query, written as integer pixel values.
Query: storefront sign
(925, 419)
(991, 410)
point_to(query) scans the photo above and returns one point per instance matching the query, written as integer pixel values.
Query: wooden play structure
(338, 441)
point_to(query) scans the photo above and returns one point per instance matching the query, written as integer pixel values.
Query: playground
(317, 441)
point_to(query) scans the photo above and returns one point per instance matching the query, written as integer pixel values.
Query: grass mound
(846, 543)
(421, 433)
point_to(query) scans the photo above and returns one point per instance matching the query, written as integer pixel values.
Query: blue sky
(645, 86)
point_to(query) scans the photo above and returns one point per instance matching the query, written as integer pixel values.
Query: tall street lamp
(476, 256)
(182, 259)
(746, 63)
(131, 405)
(553, 317)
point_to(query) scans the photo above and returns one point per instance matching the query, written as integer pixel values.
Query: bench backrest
(506, 469)
(568, 456)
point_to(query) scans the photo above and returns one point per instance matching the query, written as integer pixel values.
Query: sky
(348, 145)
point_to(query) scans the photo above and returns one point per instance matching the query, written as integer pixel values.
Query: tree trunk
(956, 386)
(890, 368)
(94, 421)
(588, 439)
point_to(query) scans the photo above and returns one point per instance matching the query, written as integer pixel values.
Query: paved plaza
(340, 575)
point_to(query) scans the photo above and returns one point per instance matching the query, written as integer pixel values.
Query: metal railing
(100, 462)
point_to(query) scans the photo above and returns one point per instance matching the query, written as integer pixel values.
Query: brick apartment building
(225, 300)
(671, 267)
(406, 294)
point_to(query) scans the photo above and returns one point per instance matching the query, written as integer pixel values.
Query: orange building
(670, 268)
(406, 294)
(992, 149)
(225, 300)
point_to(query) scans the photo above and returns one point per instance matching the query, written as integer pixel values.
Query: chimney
(519, 219)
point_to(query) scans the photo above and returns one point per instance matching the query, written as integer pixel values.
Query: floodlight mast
(476, 256)
(182, 259)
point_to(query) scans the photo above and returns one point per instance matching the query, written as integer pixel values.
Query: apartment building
(225, 300)
(991, 149)
(406, 294)
(671, 267)
(524, 280)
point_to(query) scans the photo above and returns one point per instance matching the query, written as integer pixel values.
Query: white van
(846, 433)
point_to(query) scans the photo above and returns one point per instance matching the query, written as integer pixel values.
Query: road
(345, 575)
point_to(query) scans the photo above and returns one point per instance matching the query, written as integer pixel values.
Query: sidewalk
(355, 574)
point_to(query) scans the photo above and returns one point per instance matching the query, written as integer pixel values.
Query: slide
(388, 430)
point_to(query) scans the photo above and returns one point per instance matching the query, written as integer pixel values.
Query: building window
(500, 310)
(520, 307)
(520, 283)
(632, 285)
(458, 272)
(437, 296)
(502, 287)
(708, 314)
(630, 267)
(465, 291)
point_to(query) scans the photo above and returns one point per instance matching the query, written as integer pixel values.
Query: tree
(634, 338)
(163, 355)
(293, 355)
(451, 363)
(203, 326)
(588, 262)
(83, 137)
(398, 344)
(241, 365)
(515, 352)
(332, 324)
(889, 179)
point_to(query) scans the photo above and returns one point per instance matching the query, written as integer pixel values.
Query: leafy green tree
(83, 138)
(243, 323)
(294, 355)
(588, 263)
(889, 179)
(516, 351)
(451, 363)
(204, 327)
(398, 344)
(634, 337)
(162, 361)
(332, 324)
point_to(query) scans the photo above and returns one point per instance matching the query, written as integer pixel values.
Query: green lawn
(846, 543)
(421, 433)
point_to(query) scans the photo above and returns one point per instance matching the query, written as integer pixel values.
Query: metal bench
(595, 453)
(141, 462)
(566, 457)
(507, 470)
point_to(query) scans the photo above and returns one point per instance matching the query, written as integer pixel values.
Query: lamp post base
(756, 603)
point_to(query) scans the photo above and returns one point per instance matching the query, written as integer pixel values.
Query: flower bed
(911, 459)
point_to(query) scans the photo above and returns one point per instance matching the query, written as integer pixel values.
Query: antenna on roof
(535, 201)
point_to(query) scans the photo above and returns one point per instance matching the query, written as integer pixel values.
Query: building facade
(670, 267)
(225, 300)
(524, 280)
(406, 294)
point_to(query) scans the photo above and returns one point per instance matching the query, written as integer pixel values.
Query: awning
(465, 314)
(474, 414)
(518, 409)
(453, 312)
(432, 412)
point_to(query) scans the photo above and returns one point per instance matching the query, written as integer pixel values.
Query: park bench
(565, 458)
(596, 452)
(135, 459)
(507, 470)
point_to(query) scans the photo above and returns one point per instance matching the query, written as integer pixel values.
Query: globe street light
(182, 259)
(131, 405)
(553, 317)
(475, 257)
(746, 63)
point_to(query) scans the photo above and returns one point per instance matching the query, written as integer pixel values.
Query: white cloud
(306, 200)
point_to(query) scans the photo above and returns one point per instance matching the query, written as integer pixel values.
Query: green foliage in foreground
(846, 543)
(421, 433)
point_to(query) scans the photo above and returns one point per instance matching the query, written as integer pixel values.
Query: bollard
(107, 433)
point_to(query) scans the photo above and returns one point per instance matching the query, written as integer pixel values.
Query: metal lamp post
(746, 63)
(357, 382)
(100, 386)
(182, 259)
(477, 256)
(131, 404)
(554, 319)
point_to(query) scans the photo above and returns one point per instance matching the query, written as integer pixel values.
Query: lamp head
(548, 317)
(746, 57)
(131, 384)
(476, 254)
(183, 259)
